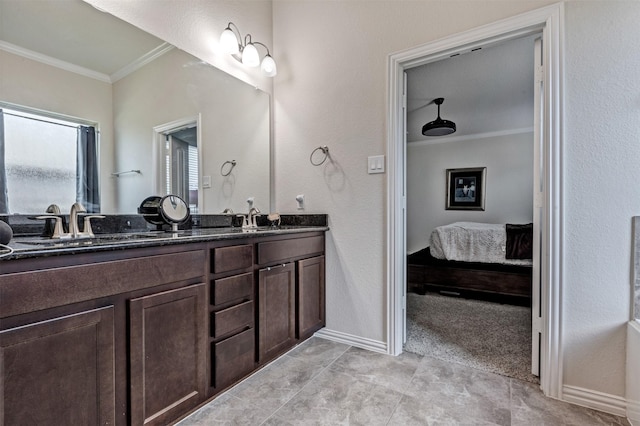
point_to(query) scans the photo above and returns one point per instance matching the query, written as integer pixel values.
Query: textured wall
(602, 160)
(509, 195)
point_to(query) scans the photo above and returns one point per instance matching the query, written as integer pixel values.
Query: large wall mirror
(166, 122)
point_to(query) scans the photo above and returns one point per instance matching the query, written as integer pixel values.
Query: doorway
(476, 312)
(548, 21)
(178, 153)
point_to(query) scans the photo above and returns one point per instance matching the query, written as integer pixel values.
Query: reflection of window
(41, 163)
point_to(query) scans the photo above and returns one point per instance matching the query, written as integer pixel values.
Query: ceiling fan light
(439, 127)
(250, 56)
(268, 66)
(229, 41)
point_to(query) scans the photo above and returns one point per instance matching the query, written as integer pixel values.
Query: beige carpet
(483, 335)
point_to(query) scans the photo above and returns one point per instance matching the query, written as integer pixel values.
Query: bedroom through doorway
(467, 303)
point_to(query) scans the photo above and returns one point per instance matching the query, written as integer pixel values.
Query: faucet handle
(86, 230)
(58, 229)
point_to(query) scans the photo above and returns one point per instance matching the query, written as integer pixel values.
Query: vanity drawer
(226, 290)
(274, 251)
(233, 358)
(232, 258)
(232, 319)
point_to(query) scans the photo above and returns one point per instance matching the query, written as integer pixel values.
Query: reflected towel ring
(325, 151)
(232, 165)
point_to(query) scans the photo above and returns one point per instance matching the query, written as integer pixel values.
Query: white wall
(36, 85)
(331, 90)
(633, 372)
(509, 184)
(602, 160)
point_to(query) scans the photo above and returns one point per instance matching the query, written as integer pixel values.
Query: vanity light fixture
(245, 50)
(438, 127)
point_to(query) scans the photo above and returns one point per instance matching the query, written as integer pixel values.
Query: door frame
(550, 22)
(159, 132)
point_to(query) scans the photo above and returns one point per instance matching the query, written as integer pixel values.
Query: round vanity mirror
(174, 210)
(169, 209)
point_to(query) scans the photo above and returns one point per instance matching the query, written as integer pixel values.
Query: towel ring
(325, 151)
(232, 165)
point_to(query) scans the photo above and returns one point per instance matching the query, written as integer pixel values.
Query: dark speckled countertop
(30, 245)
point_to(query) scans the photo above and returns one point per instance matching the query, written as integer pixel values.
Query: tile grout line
(303, 387)
(403, 394)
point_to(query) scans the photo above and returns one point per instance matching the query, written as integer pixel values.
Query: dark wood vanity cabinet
(291, 293)
(59, 371)
(232, 315)
(310, 296)
(103, 338)
(168, 354)
(277, 310)
(145, 335)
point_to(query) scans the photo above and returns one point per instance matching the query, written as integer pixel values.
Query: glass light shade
(268, 66)
(250, 56)
(229, 41)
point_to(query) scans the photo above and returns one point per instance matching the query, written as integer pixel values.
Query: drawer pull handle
(274, 267)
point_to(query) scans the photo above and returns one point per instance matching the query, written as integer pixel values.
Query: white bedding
(472, 242)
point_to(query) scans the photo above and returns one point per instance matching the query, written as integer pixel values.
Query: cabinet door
(310, 296)
(276, 313)
(168, 333)
(60, 371)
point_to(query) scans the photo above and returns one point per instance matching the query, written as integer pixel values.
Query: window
(41, 165)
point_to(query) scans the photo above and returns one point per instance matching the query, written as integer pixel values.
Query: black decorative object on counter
(168, 210)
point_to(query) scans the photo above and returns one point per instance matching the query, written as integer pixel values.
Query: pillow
(519, 241)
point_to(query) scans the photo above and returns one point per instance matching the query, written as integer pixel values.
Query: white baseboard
(600, 401)
(350, 339)
(633, 412)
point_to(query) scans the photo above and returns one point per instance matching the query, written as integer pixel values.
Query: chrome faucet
(73, 219)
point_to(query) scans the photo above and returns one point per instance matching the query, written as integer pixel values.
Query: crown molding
(54, 62)
(141, 61)
(86, 72)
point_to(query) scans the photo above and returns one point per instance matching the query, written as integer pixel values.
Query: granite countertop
(120, 232)
(30, 246)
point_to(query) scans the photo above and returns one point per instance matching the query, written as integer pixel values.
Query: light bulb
(250, 56)
(229, 41)
(268, 66)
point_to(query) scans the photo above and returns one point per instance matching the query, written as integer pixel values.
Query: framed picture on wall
(466, 188)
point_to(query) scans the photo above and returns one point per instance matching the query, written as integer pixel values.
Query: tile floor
(326, 383)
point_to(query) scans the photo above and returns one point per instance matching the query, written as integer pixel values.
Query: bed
(475, 260)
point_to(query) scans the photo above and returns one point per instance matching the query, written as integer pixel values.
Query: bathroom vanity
(143, 331)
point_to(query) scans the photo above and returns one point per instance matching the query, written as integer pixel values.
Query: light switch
(206, 181)
(376, 164)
